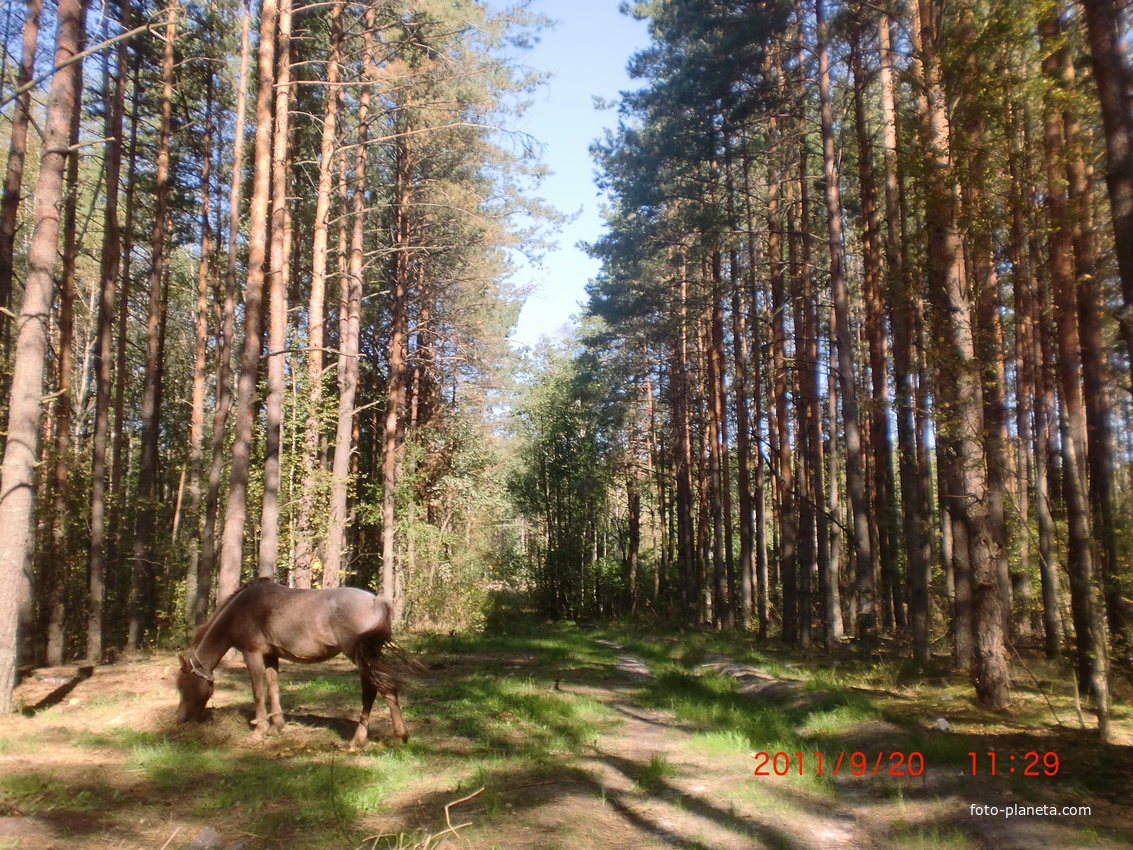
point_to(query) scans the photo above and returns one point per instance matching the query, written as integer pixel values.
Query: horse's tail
(370, 655)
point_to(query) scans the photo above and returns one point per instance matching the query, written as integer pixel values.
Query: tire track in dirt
(656, 776)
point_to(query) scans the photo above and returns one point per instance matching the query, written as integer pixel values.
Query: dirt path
(699, 800)
(649, 781)
(653, 781)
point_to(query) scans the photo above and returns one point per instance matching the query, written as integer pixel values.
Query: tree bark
(1023, 284)
(1089, 624)
(880, 448)
(1095, 383)
(350, 313)
(110, 260)
(193, 586)
(682, 443)
(227, 336)
(232, 541)
(723, 611)
(120, 457)
(1111, 76)
(142, 572)
(959, 389)
(914, 501)
(14, 173)
(316, 311)
(277, 281)
(741, 358)
(56, 569)
(17, 472)
(864, 584)
(1045, 452)
(396, 378)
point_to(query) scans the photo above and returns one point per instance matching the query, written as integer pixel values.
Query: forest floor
(556, 736)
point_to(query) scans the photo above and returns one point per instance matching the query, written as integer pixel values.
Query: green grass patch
(35, 792)
(652, 777)
(322, 687)
(723, 742)
(656, 771)
(930, 838)
(524, 718)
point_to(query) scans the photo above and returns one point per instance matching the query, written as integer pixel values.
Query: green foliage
(569, 456)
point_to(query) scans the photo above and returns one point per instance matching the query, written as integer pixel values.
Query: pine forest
(856, 368)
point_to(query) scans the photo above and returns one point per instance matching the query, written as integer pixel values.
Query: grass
(734, 721)
(652, 777)
(489, 715)
(932, 838)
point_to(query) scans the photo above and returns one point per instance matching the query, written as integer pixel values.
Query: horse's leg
(369, 691)
(400, 733)
(271, 672)
(254, 661)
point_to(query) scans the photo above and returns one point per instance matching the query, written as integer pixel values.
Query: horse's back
(312, 625)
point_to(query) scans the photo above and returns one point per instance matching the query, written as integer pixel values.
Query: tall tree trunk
(864, 584)
(1089, 623)
(227, 337)
(111, 258)
(193, 587)
(235, 514)
(14, 174)
(741, 359)
(723, 612)
(1095, 385)
(914, 501)
(142, 573)
(350, 311)
(759, 579)
(21, 451)
(959, 389)
(784, 472)
(1022, 282)
(1111, 75)
(798, 224)
(316, 312)
(682, 442)
(881, 450)
(277, 281)
(396, 378)
(120, 457)
(56, 569)
(970, 116)
(1045, 451)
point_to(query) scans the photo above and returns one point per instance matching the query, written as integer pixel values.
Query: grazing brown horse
(267, 621)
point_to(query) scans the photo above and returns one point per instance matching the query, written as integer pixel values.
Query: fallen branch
(448, 818)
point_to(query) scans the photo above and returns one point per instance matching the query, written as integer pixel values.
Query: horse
(267, 621)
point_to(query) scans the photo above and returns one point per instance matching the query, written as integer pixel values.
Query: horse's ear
(185, 667)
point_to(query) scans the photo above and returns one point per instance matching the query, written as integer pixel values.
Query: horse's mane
(202, 630)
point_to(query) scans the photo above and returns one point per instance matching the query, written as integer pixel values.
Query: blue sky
(586, 54)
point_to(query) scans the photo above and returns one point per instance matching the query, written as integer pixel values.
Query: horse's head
(195, 689)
